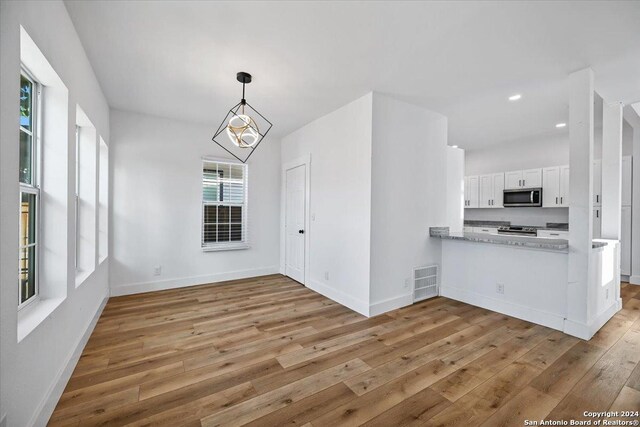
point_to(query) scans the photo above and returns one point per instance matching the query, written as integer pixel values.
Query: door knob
(301, 231)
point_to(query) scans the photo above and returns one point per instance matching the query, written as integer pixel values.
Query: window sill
(81, 276)
(226, 247)
(32, 315)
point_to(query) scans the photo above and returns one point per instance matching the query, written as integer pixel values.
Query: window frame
(33, 188)
(77, 201)
(230, 245)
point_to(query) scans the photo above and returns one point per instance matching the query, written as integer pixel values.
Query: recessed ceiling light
(454, 146)
(515, 97)
(561, 125)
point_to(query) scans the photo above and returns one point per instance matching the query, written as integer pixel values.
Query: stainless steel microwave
(523, 197)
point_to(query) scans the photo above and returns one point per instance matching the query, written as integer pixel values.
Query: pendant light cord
(243, 100)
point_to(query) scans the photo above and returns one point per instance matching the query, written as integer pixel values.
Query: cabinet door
(550, 187)
(512, 180)
(532, 178)
(564, 186)
(626, 181)
(485, 230)
(625, 241)
(550, 234)
(473, 192)
(466, 191)
(597, 222)
(486, 191)
(597, 183)
(498, 190)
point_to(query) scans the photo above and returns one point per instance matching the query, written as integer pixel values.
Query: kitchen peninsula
(522, 276)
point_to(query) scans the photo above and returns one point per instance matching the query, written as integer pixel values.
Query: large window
(29, 188)
(224, 205)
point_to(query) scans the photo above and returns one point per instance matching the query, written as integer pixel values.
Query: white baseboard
(550, 320)
(390, 304)
(634, 279)
(340, 297)
(160, 285)
(48, 404)
(586, 331)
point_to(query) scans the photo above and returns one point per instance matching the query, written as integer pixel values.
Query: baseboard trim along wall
(48, 404)
(160, 285)
(540, 317)
(348, 301)
(634, 280)
(390, 304)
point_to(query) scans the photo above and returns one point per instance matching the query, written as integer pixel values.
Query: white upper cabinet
(555, 187)
(512, 180)
(491, 190)
(597, 183)
(564, 186)
(626, 180)
(597, 222)
(498, 190)
(532, 178)
(529, 178)
(486, 190)
(551, 188)
(471, 192)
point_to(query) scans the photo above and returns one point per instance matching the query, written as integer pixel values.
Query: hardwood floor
(269, 352)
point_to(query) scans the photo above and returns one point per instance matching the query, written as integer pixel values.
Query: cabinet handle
(597, 198)
(553, 234)
(519, 183)
(524, 182)
(560, 200)
(556, 200)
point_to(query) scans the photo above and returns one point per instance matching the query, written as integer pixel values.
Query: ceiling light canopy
(240, 126)
(515, 97)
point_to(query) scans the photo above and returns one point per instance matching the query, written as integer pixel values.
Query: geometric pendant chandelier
(243, 128)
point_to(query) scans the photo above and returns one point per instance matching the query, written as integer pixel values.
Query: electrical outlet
(157, 270)
(406, 283)
(326, 275)
(606, 292)
(313, 217)
(500, 288)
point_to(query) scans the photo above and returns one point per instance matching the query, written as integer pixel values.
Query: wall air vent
(425, 282)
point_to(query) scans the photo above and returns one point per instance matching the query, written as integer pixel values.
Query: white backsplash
(519, 216)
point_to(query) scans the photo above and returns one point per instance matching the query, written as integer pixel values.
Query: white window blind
(224, 205)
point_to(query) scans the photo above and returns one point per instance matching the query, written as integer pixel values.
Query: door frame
(300, 161)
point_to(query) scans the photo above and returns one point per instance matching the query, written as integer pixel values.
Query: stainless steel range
(517, 230)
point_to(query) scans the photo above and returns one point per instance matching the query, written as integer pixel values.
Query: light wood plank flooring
(269, 352)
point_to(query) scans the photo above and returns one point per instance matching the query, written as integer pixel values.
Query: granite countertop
(553, 226)
(511, 240)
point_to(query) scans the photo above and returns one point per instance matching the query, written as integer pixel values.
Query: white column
(579, 310)
(611, 169)
(632, 116)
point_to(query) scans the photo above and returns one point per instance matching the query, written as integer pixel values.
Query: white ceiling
(463, 59)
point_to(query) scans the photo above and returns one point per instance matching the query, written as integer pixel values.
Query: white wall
(340, 185)
(527, 153)
(408, 195)
(156, 167)
(34, 371)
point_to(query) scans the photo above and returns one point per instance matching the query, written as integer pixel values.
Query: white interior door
(294, 223)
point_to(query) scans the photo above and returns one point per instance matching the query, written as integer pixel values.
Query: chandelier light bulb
(243, 131)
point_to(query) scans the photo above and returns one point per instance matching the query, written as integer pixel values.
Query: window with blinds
(224, 205)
